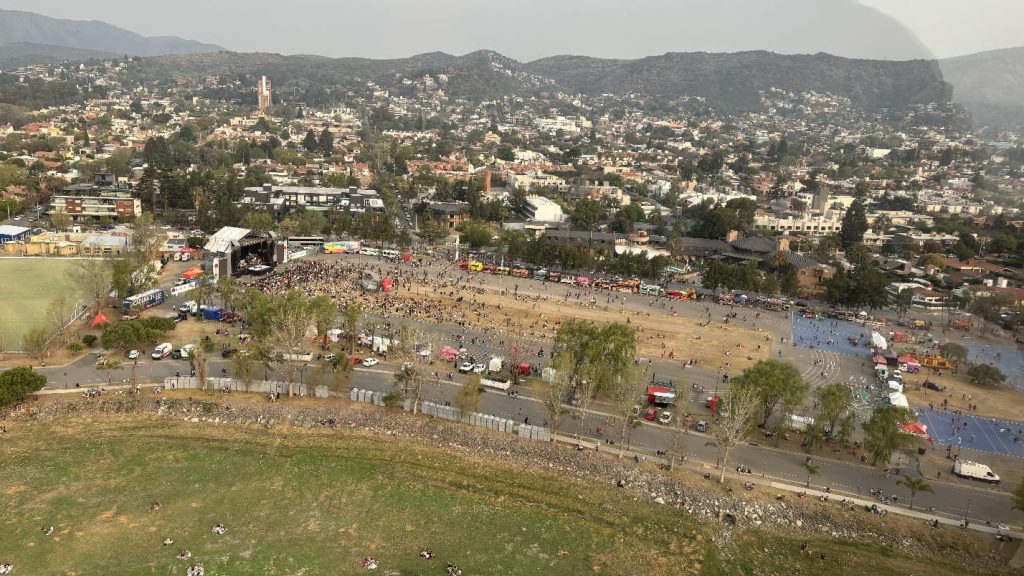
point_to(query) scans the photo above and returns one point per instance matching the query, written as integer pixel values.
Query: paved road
(819, 367)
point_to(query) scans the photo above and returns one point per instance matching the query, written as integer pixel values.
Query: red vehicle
(462, 264)
(355, 361)
(520, 272)
(524, 369)
(490, 268)
(651, 415)
(661, 395)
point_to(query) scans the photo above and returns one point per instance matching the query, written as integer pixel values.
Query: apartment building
(106, 197)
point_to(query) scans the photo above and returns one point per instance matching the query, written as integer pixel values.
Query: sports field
(318, 501)
(29, 284)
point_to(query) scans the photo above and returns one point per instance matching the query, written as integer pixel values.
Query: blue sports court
(974, 432)
(832, 335)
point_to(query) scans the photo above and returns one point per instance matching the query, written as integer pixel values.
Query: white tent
(898, 400)
(878, 340)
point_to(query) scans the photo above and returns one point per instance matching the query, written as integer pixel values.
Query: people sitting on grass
(184, 555)
(453, 570)
(370, 563)
(196, 570)
(428, 554)
(6, 568)
(168, 541)
(154, 506)
(219, 528)
(47, 530)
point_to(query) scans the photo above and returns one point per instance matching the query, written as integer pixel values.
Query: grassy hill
(315, 501)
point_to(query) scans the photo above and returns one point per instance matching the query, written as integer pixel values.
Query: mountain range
(53, 37)
(988, 84)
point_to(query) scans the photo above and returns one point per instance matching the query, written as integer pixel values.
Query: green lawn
(315, 502)
(29, 284)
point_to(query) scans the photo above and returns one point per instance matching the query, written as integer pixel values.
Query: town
(799, 317)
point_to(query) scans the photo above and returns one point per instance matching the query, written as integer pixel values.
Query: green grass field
(315, 502)
(29, 284)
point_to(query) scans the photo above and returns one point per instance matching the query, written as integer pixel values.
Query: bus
(315, 242)
(143, 300)
(390, 254)
(351, 247)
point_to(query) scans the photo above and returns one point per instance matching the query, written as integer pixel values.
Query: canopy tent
(878, 341)
(448, 353)
(99, 320)
(915, 428)
(899, 400)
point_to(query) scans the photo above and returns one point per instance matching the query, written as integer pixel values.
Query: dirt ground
(1001, 402)
(658, 334)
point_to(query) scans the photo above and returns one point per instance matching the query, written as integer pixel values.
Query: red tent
(915, 428)
(100, 320)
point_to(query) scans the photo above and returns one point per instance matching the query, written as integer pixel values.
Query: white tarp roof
(224, 238)
(899, 400)
(878, 340)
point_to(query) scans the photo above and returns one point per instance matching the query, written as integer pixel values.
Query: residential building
(279, 200)
(542, 209)
(106, 197)
(264, 94)
(451, 215)
(813, 224)
(13, 233)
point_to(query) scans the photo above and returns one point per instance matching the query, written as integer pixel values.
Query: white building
(813, 224)
(542, 209)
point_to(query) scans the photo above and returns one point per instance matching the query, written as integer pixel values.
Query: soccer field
(29, 284)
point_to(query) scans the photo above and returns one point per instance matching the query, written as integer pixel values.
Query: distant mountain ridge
(727, 81)
(17, 54)
(989, 84)
(27, 27)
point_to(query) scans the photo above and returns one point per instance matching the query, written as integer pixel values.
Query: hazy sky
(529, 29)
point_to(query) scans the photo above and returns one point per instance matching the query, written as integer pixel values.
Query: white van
(975, 471)
(183, 352)
(162, 351)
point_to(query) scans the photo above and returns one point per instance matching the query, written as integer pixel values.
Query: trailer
(496, 382)
(142, 301)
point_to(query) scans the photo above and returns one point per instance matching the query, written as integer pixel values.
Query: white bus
(390, 254)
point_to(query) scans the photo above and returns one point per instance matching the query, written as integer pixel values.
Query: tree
(985, 375)
(58, 312)
(197, 360)
(854, 225)
(812, 470)
(310, 143)
(883, 435)
(352, 314)
(904, 298)
(467, 397)
(627, 397)
(259, 221)
(476, 234)
(932, 260)
(586, 214)
(92, 280)
(834, 401)
(60, 221)
(858, 255)
(34, 341)
(915, 484)
(559, 386)
(953, 351)
(242, 366)
(773, 381)
(281, 325)
(431, 231)
(16, 383)
(738, 411)
(326, 142)
(229, 292)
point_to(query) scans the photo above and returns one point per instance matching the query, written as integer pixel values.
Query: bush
(89, 340)
(76, 347)
(985, 375)
(158, 323)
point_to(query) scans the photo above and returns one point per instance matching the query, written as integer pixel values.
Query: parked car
(651, 415)
(466, 367)
(330, 357)
(665, 418)
(133, 355)
(355, 360)
(479, 368)
(162, 351)
(934, 386)
(228, 352)
(370, 362)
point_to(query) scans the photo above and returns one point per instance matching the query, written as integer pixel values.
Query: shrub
(77, 347)
(89, 340)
